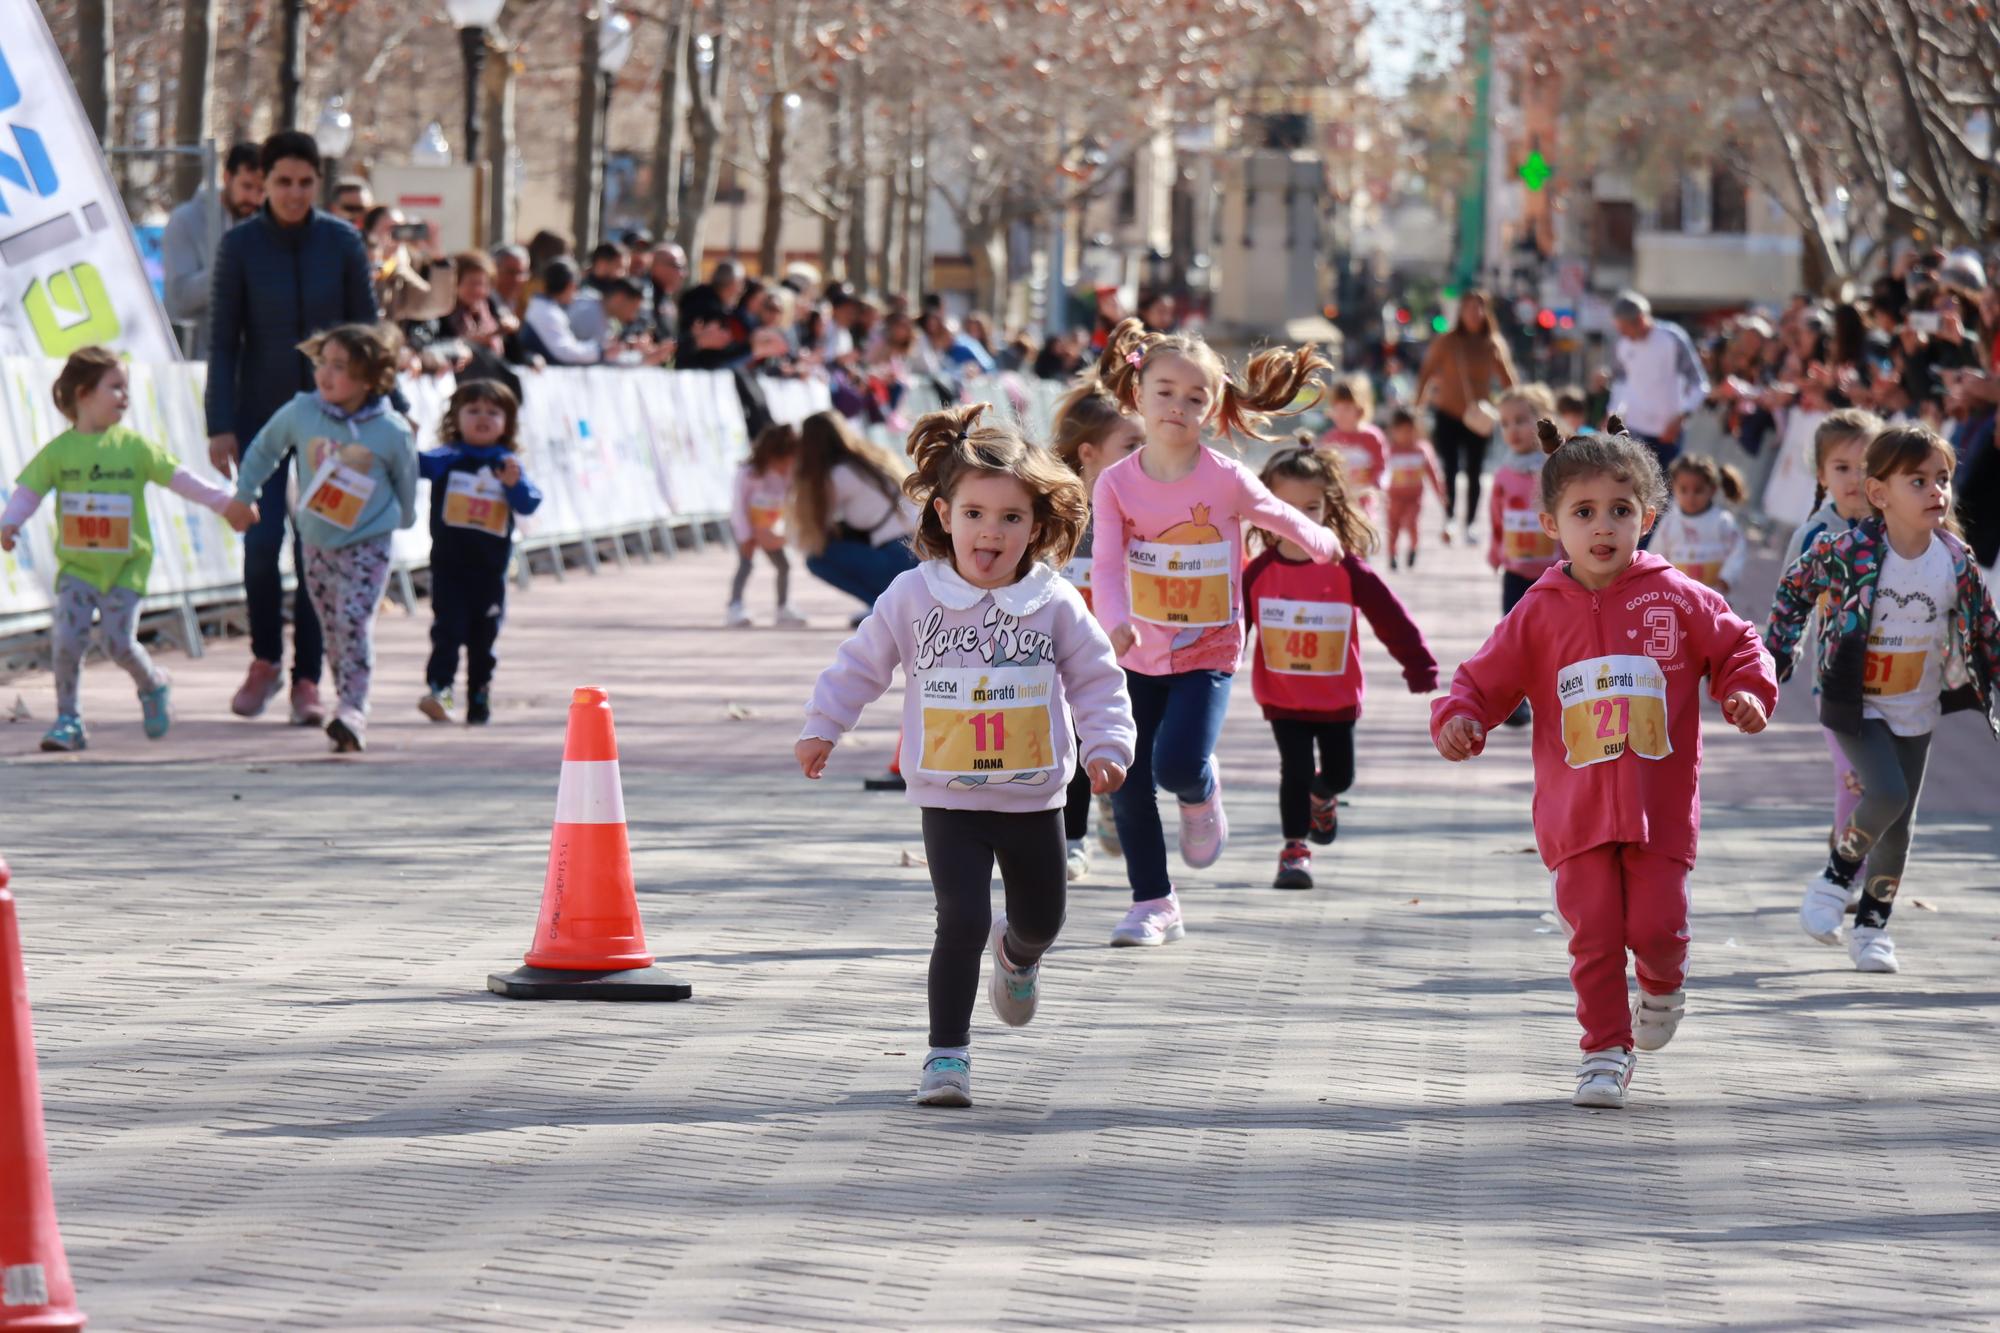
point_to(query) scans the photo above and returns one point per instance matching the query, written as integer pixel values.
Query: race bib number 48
(475, 500)
(1182, 586)
(1611, 705)
(1305, 638)
(338, 493)
(96, 522)
(987, 722)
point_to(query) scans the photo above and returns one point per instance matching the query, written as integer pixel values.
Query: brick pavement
(278, 1097)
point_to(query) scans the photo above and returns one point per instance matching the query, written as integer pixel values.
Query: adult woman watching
(848, 511)
(1464, 367)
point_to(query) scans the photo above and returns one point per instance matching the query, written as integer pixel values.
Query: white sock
(949, 1053)
(1076, 844)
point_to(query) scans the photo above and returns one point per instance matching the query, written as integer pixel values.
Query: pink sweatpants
(1404, 507)
(1616, 897)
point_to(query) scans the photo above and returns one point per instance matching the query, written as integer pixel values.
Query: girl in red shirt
(1610, 647)
(1306, 673)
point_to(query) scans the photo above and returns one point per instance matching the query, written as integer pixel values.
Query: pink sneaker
(259, 688)
(307, 710)
(1151, 923)
(1204, 826)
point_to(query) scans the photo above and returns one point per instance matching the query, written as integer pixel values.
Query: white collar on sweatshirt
(1020, 599)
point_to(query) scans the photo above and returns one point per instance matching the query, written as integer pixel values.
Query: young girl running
(1089, 431)
(1167, 559)
(1307, 665)
(998, 654)
(757, 520)
(104, 541)
(1363, 448)
(1908, 633)
(356, 466)
(477, 487)
(1611, 646)
(1518, 547)
(1413, 468)
(1700, 537)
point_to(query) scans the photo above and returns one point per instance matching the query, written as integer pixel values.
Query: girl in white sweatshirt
(999, 655)
(1696, 535)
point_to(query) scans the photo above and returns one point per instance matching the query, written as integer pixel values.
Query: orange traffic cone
(893, 780)
(35, 1290)
(589, 943)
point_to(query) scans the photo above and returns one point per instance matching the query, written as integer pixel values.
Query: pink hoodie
(1176, 549)
(1614, 678)
(991, 681)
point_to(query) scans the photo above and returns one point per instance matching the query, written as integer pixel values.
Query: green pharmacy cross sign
(1535, 171)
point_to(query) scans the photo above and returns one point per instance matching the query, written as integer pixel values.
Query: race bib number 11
(989, 723)
(1611, 705)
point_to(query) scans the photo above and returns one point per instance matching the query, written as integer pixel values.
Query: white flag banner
(70, 274)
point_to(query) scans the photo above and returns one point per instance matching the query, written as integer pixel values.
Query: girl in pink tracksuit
(1610, 647)
(1167, 573)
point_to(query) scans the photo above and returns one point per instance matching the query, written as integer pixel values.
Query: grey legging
(117, 610)
(1890, 769)
(961, 846)
(745, 564)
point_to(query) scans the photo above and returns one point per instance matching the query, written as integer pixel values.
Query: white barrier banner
(70, 274)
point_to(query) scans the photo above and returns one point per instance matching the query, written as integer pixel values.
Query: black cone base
(549, 983)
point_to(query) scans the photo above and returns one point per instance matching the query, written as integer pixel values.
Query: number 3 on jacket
(1610, 705)
(987, 723)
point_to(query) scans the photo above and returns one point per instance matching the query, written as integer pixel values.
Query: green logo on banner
(70, 309)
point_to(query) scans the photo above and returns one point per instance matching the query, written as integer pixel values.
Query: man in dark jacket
(285, 274)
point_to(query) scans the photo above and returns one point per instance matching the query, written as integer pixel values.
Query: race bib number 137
(1611, 705)
(1182, 586)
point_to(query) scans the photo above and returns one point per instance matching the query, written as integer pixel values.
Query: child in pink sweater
(1168, 561)
(1611, 647)
(998, 655)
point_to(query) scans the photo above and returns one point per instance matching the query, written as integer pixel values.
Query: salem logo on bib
(1611, 705)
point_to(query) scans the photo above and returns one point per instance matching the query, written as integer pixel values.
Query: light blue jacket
(310, 428)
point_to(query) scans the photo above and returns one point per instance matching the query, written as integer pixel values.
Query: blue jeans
(264, 586)
(1179, 719)
(861, 570)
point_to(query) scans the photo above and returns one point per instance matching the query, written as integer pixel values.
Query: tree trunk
(979, 241)
(857, 181)
(95, 79)
(885, 239)
(499, 147)
(586, 175)
(774, 187)
(291, 35)
(666, 195)
(705, 128)
(191, 99)
(920, 243)
(912, 173)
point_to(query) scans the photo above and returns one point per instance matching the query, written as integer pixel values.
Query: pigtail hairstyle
(483, 391)
(1839, 428)
(1272, 384)
(1718, 476)
(1316, 467)
(1612, 453)
(1084, 415)
(1124, 357)
(949, 446)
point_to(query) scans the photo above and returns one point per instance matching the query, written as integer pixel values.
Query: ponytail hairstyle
(1838, 429)
(483, 391)
(1718, 476)
(1271, 385)
(949, 446)
(1306, 463)
(825, 442)
(1612, 453)
(1084, 415)
(1905, 449)
(773, 444)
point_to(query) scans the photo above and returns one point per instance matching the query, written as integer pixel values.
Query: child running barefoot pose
(998, 655)
(1307, 671)
(1413, 468)
(1360, 443)
(1700, 537)
(1089, 432)
(1167, 564)
(1611, 647)
(104, 542)
(356, 466)
(477, 487)
(757, 520)
(1518, 547)
(1907, 633)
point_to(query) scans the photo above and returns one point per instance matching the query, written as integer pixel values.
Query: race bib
(1704, 572)
(987, 721)
(1895, 663)
(338, 493)
(475, 501)
(1359, 462)
(93, 521)
(1077, 571)
(766, 518)
(1611, 705)
(1182, 586)
(1522, 538)
(1305, 638)
(1406, 472)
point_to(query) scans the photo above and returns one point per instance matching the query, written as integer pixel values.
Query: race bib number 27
(1611, 705)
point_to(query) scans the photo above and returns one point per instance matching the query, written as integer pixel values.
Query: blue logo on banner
(31, 168)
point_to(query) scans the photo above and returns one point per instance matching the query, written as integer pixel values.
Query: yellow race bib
(1704, 572)
(475, 501)
(1305, 638)
(766, 518)
(1186, 587)
(338, 493)
(1407, 471)
(1522, 537)
(987, 722)
(92, 521)
(1611, 705)
(1895, 664)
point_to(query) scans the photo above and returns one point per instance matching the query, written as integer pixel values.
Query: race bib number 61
(1611, 705)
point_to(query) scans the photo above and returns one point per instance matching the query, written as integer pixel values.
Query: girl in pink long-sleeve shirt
(1610, 648)
(1008, 680)
(1167, 558)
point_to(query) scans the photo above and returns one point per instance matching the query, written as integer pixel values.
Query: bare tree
(707, 73)
(587, 171)
(665, 201)
(191, 95)
(96, 83)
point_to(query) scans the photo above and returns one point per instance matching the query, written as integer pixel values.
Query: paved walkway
(279, 1098)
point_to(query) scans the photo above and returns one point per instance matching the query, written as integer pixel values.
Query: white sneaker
(1153, 922)
(1204, 826)
(1655, 1018)
(947, 1081)
(1822, 910)
(1079, 862)
(1872, 950)
(1602, 1078)
(1012, 990)
(736, 617)
(789, 619)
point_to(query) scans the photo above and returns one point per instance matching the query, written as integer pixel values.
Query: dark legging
(962, 846)
(1890, 770)
(1457, 447)
(1298, 774)
(745, 564)
(1076, 806)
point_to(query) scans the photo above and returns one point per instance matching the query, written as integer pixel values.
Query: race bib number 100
(987, 722)
(1304, 638)
(1611, 705)
(1182, 586)
(92, 521)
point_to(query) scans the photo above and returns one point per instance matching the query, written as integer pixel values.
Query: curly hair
(372, 352)
(483, 391)
(1613, 453)
(1316, 467)
(949, 446)
(1274, 383)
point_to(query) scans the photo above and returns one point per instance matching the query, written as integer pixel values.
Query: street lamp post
(291, 34)
(334, 133)
(472, 18)
(614, 48)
